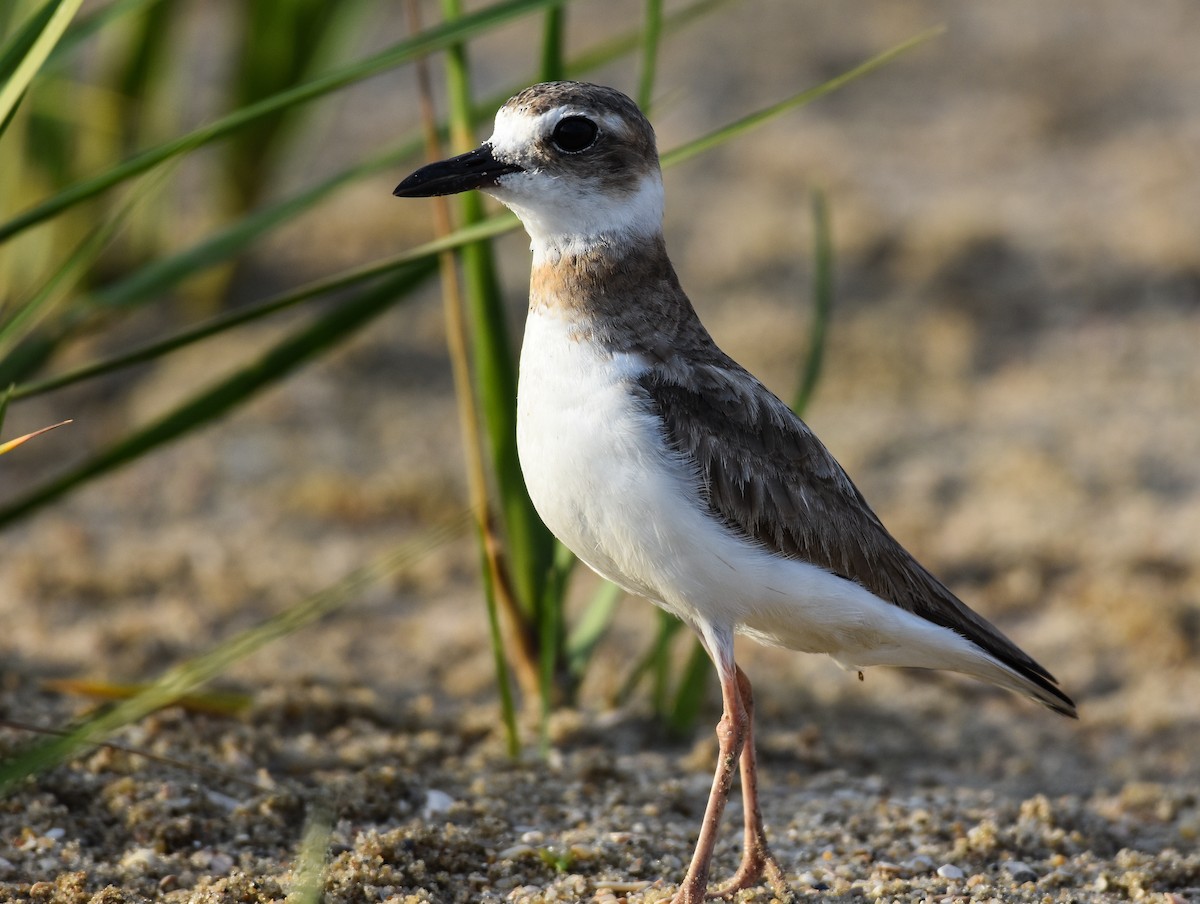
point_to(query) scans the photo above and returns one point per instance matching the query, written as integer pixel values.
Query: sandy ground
(1011, 379)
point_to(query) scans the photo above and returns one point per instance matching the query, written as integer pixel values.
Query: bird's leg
(731, 735)
(757, 859)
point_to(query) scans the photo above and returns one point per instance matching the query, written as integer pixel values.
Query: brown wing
(767, 477)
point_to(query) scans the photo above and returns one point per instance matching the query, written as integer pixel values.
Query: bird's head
(576, 162)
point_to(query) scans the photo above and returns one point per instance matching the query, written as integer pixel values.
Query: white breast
(591, 458)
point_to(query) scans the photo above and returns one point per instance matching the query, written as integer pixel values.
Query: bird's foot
(758, 864)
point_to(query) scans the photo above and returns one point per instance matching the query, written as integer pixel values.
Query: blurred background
(1011, 375)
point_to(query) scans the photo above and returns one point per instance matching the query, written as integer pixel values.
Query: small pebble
(582, 851)
(950, 871)
(918, 864)
(1020, 871)
(142, 860)
(516, 851)
(622, 888)
(224, 801)
(436, 803)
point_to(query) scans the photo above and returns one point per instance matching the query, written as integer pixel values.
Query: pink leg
(731, 735)
(757, 859)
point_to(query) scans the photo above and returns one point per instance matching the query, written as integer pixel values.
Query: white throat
(566, 219)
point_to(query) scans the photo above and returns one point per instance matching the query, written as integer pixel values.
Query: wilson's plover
(672, 471)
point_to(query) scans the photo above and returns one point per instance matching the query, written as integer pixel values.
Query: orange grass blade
(20, 440)
(210, 703)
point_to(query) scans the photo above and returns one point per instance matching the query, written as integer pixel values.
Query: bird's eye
(574, 134)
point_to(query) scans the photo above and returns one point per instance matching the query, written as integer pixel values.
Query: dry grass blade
(21, 440)
(212, 703)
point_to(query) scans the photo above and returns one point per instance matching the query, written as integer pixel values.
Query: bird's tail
(1039, 687)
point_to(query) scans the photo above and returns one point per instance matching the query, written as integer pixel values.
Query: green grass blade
(4, 123)
(551, 629)
(89, 23)
(550, 610)
(312, 859)
(553, 62)
(23, 54)
(145, 71)
(591, 628)
(5, 397)
(822, 304)
(692, 690)
(154, 278)
(651, 33)
(187, 677)
(233, 390)
(508, 707)
(437, 38)
(660, 662)
(282, 44)
(55, 289)
(606, 51)
(668, 625)
(17, 324)
(719, 136)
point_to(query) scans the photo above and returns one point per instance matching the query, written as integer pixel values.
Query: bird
(673, 472)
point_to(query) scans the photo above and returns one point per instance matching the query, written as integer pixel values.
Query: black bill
(474, 169)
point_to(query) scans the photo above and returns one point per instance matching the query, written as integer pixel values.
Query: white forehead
(518, 131)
